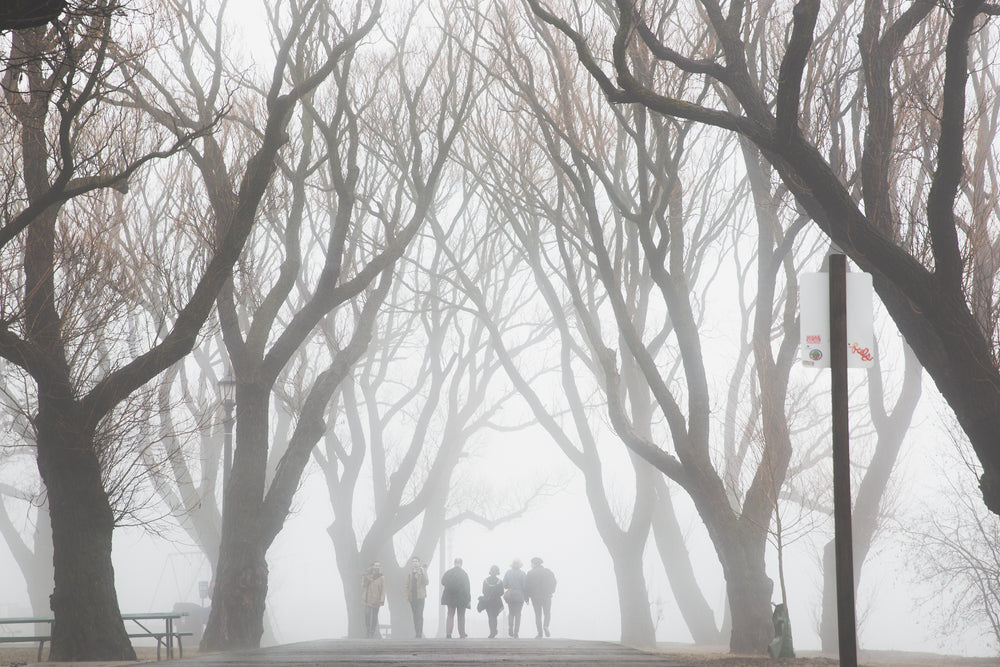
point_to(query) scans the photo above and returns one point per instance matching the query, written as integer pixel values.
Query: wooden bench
(163, 639)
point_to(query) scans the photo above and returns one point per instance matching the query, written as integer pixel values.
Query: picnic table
(164, 639)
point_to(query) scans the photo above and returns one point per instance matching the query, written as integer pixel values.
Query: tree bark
(88, 622)
(237, 617)
(748, 590)
(633, 594)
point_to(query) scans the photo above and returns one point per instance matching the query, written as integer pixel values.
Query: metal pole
(844, 549)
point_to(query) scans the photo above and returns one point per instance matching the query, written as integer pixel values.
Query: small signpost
(836, 327)
(815, 317)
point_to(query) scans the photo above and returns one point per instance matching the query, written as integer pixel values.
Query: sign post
(843, 538)
(837, 332)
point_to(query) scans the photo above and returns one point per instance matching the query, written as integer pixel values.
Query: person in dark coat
(491, 600)
(456, 594)
(539, 585)
(513, 583)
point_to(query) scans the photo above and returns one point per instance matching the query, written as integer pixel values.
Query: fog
(521, 362)
(305, 600)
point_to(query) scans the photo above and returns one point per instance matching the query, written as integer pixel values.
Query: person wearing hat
(513, 595)
(539, 585)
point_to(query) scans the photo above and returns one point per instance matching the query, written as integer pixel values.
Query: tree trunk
(697, 613)
(237, 617)
(740, 548)
(39, 574)
(633, 597)
(829, 634)
(88, 623)
(350, 567)
(749, 591)
(400, 614)
(34, 561)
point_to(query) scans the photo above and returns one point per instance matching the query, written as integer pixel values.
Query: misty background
(480, 312)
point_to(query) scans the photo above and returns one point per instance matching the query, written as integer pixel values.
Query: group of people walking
(515, 589)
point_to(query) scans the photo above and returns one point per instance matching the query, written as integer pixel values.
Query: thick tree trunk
(633, 598)
(237, 617)
(88, 624)
(350, 567)
(749, 591)
(740, 547)
(400, 614)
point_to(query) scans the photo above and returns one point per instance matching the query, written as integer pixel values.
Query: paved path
(448, 652)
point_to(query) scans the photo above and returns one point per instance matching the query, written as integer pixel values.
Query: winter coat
(539, 583)
(373, 590)
(513, 580)
(416, 585)
(456, 589)
(493, 594)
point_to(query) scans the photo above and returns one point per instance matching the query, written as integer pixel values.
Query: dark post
(843, 539)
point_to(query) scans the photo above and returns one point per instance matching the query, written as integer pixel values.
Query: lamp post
(227, 387)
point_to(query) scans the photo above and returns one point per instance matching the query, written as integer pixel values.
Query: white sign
(814, 320)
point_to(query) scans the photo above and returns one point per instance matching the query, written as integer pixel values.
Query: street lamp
(227, 387)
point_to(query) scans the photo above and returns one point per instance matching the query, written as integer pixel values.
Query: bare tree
(924, 285)
(959, 547)
(424, 392)
(346, 216)
(623, 183)
(62, 318)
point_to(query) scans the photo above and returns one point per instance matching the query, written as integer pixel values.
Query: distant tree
(33, 556)
(958, 543)
(891, 424)
(628, 204)
(29, 539)
(408, 417)
(914, 225)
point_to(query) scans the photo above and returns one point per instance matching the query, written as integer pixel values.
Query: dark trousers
(417, 607)
(514, 618)
(492, 617)
(543, 608)
(371, 622)
(451, 620)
